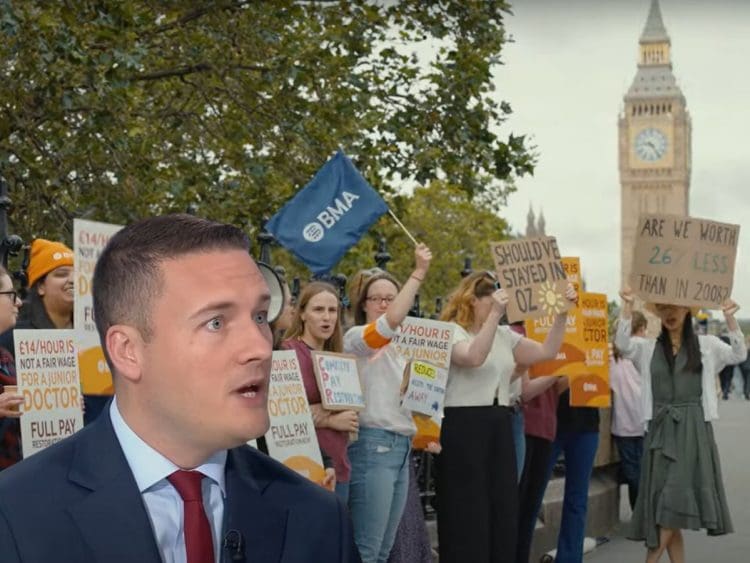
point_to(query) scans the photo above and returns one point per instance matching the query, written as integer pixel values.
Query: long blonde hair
(459, 308)
(334, 343)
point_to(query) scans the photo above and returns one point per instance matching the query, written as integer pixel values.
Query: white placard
(430, 342)
(47, 377)
(89, 239)
(338, 381)
(425, 392)
(291, 438)
(426, 340)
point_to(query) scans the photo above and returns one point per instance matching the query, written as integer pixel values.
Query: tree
(118, 110)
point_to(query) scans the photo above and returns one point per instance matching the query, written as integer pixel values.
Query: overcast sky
(565, 77)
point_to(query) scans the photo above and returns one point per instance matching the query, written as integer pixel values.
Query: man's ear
(125, 348)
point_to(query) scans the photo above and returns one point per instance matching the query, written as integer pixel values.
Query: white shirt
(471, 387)
(163, 503)
(381, 370)
(627, 408)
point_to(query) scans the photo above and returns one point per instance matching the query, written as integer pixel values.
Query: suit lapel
(112, 519)
(261, 523)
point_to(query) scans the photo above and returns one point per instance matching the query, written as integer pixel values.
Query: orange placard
(95, 376)
(571, 353)
(584, 354)
(590, 387)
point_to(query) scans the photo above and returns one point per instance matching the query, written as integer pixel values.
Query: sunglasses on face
(493, 277)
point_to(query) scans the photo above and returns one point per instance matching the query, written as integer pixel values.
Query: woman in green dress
(681, 480)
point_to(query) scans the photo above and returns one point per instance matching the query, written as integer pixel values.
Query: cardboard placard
(531, 272)
(338, 381)
(425, 388)
(591, 387)
(428, 341)
(291, 438)
(684, 260)
(89, 239)
(47, 376)
(537, 329)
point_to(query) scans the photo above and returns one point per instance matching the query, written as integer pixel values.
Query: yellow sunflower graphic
(550, 300)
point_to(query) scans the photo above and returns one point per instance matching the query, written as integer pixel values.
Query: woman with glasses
(316, 325)
(477, 479)
(681, 485)
(380, 457)
(10, 435)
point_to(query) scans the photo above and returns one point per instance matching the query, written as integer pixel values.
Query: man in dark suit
(164, 474)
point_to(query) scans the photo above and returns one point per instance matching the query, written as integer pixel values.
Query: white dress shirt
(163, 503)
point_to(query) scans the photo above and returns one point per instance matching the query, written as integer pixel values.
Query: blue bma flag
(328, 216)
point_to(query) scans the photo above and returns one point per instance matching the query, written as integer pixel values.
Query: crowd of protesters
(502, 432)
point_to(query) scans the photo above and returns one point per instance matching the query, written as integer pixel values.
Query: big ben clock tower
(654, 134)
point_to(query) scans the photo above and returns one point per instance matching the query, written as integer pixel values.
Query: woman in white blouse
(380, 457)
(476, 481)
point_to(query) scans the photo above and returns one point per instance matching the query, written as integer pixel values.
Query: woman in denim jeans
(380, 457)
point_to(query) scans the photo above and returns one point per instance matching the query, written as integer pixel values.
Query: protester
(380, 457)
(278, 327)
(540, 428)
(522, 389)
(10, 435)
(681, 484)
(50, 279)
(577, 437)
(412, 543)
(316, 325)
(627, 412)
(50, 302)
(745, 371)
(286, 316)
(181, 310)
(476, 480)
(726, 374)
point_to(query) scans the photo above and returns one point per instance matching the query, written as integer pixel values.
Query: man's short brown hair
(128, 277)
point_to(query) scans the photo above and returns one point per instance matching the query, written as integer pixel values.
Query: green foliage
(118, 110)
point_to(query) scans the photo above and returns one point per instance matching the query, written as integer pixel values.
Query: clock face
(650, 144)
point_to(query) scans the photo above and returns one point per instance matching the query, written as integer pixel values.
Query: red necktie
(199, 544)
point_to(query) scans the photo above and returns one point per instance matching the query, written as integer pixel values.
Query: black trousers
(531, 492)
(477, 487)
(725, 378)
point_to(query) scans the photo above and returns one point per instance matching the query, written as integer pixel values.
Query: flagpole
(400, 224)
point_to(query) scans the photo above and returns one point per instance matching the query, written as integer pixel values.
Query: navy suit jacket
(77, 502)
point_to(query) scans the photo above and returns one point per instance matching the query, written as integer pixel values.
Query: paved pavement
(732, 433)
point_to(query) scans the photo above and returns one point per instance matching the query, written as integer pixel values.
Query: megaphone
(276, 288)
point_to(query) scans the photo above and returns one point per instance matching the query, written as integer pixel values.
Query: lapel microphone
(234, 544)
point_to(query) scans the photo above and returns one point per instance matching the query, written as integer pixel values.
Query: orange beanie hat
(46, 256)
